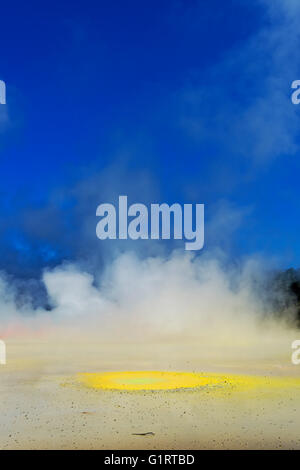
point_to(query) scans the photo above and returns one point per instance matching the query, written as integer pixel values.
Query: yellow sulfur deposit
(158, 380)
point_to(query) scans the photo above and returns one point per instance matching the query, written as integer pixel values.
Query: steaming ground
(175, 314)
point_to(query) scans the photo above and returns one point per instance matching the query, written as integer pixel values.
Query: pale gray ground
(42, 407)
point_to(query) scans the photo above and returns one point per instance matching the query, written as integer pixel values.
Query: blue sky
(166, 101)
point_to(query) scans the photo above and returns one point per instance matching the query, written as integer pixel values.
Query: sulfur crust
(159, 380)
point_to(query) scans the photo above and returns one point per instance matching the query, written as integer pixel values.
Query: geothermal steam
(178, 299)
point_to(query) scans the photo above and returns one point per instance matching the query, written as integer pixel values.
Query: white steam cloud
(177, 299)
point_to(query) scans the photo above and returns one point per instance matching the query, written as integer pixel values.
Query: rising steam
(180, 298)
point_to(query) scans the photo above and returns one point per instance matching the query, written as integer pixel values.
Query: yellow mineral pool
(162, 380)
(147, 380)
